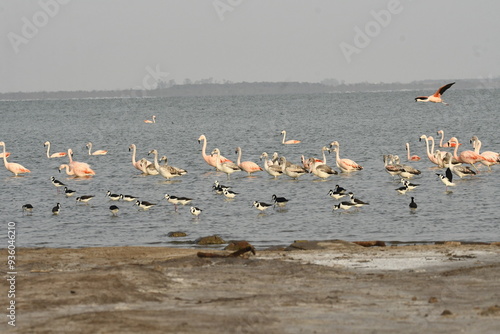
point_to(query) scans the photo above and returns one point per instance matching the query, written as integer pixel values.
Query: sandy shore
(318, 287)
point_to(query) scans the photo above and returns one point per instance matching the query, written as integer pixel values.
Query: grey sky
(120, 44)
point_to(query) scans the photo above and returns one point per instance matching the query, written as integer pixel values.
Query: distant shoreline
(250, 88)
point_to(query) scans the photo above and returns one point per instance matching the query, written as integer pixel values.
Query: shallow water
(367, 125)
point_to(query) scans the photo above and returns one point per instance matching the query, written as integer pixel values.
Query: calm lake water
(367, 125)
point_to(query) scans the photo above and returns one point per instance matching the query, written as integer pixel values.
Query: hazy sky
(118, 44)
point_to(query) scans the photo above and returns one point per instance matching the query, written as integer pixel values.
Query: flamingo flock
(318, 167)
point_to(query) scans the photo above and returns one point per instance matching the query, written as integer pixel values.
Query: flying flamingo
(80, 169)
(436, 97)
(288, 142)
(467, 157)
(247, 166)
(490, 158)
(13, 167)
(225, 167)
(97, 152)
(210, 159)
(411, 157)
(53, 155)
(137, 164)
(150, 121)
(450, 142)
(345, 165)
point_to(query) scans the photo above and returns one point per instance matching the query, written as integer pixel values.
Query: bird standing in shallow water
(261, 206)
(28, 208)
(114, 210)
(447, 179)
(412, 205)
(56, 209)
(195, 211)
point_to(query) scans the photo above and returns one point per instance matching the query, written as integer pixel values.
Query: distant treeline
(255, 88)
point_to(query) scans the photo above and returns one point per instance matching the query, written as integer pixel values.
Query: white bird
(137, 164)
(164, 170)
(150, 121)
(292, 170)
(53, 155)
(97, 152)
(271, 169)
(345, 165)
(147, 167)
(290, 141)
(226, 167)
(321, 170)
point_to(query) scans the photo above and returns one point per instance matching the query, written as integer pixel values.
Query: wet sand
(315, 287)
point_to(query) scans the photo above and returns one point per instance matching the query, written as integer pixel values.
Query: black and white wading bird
(447, 178)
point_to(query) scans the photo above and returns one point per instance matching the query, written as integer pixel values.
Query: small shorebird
(69, 192)
(344, 206)
(195, 211)
(219, 188)
(113, 197)
(177, 200)
(279, 201)
(338, 192)
(408, 184)
(144, 205)
(229, 193)
(357, 202)
(57, 183)
(402, 190)
(114, 210)
(447, 179)
(261, 206)
(436, 97)
(56, 209)
(84, 199)
(28, 208)
(128, 198)
(412, 204)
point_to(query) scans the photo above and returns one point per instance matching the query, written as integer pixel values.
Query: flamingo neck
(4, 156)
(133, 155)
(203, 148)
(157, 165)
(408, 151)
(442, 137)
(238, 161)
(48, 149)
(324, 157)
(455, 153)
(284, 137)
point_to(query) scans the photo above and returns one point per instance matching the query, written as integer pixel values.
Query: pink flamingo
(150, 121)
(79, 168)
(411, 157)
(97, 152)
(288, 142)
(490, 158)
(53, 155)
(247, 166)
(436, 97)
(345, 165)
(450, 142)
(137, 164)
(13, 167)
(467, 157)
(430, 155)
(68, 170)
(210, 159)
